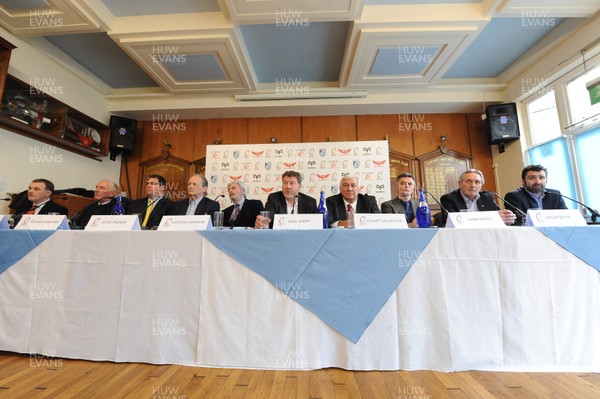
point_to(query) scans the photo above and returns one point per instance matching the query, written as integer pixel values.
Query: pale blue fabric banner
(583, 242)
(15, 244)
(342, 276)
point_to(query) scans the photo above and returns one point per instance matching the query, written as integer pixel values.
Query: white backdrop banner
(321, 165)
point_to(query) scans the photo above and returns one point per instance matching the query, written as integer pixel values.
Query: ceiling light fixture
(304, 96)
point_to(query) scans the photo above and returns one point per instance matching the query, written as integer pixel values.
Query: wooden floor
(24, 376)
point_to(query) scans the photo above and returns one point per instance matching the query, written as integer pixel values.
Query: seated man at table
(39, 201)
(349, 199)
(468, 197)
(152, 208)
(289, 200)
(244, 211)
(105, 195)
(533, 194)
(196, 203)
(403, 203)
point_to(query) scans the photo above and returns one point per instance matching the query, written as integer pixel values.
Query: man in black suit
(470, 198)
(533, 194)
(403, 203)
(105, 195)
(244, 211)
(38, 195)
(196, 203)
(349, 198)
(289, 200)
(152, 208)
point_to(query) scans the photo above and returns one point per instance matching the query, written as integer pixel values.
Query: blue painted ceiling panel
(102, 57)
(403, 60)
(297, 49)
(130, 8)
(198, 67)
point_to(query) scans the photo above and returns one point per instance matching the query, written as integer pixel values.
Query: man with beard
(534, 194)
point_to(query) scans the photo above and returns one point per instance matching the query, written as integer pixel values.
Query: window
(587, 145)
(579, 99)
(543, 118)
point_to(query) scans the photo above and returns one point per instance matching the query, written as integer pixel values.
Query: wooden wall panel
(179, 134)
(481, 151)
(227, 131)
(285, 130)
(376, 127)
(428, 129)
(324, 128)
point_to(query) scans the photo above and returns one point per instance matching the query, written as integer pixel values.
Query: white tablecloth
(502, 299)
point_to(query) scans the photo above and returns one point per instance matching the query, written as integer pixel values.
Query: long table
(486, 299)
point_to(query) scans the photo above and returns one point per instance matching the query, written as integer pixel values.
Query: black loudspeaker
(122, 135)
(502, 123)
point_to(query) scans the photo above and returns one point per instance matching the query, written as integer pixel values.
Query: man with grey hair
(469, 197)
(105, 196)
(349, 199)
(244, 211)
(196, 203)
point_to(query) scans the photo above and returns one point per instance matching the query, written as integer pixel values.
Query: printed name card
(43, 222)
(4, 222)
(186, 222)
(472, 220)
(113, 222)
(554, 218)
(298, 222)
(380, 221)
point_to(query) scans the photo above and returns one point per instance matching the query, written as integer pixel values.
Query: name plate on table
(43, 222)
(302, 221)
(4, 222)
(472, 220)
(380, 221)
(186, 222)
(113, 222)
(554, 218)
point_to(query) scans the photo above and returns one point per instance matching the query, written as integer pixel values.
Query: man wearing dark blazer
(337, 205)
(155, 205)
(533, 194)
(403, 203)
(105, 196)
(244, 211)
(469, 197)
(289, 200)
(38, 194)
(196, 203)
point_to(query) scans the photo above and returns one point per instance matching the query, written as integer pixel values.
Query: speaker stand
(500, 148)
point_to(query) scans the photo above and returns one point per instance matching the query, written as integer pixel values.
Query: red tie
(350, 210)
(31, 211)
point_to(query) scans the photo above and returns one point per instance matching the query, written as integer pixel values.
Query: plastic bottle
(323, 210)
(423, 212)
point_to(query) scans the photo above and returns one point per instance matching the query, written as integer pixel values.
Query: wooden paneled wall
(411, 134)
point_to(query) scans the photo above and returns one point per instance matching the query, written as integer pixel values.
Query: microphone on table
(438, 202)
(4, 199)
(594, 212)
(516, 209)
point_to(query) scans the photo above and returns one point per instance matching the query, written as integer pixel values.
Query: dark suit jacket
(52, 206)
(94, 209)
(337, 209)
(247, 216)
(395, 206)
(161, 208)
(523, 201)
(454, 202)
(205, 207)
(277, 204)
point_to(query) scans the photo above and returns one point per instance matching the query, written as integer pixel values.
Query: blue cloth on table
(583, 241)
(15, 244)
(345, 283)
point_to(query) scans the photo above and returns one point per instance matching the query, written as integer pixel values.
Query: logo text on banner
(554, 218)
(113, 222)
(466, 220)
(186, 222)
(380, 221)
